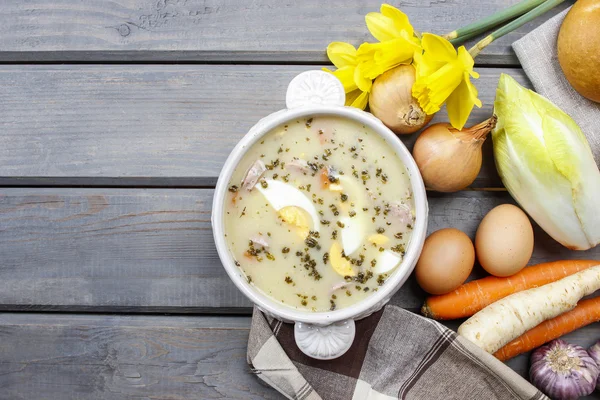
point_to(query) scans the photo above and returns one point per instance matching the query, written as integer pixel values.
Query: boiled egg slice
(285, 196)
(355, 228)
(340, 264)
(387, 261)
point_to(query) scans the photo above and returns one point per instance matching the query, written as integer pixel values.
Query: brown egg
(504, 240)
(446, 261)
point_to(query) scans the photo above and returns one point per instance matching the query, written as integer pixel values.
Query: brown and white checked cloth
(396, 355)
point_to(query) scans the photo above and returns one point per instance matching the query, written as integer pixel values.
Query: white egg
(353, 234)
(355, 228)
(387, 261)
(281, 195)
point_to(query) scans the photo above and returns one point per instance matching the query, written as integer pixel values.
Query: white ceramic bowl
(322, 335)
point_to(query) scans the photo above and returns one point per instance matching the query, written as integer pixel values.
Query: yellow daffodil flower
(357, 87)
(444, 75)
(397, 42)
(389, 24)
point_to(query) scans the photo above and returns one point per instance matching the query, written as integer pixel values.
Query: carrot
(506, 319)
(475, 295)
(586, 312)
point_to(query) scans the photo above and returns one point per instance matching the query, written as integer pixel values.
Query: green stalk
(511, 26)
(491, 21)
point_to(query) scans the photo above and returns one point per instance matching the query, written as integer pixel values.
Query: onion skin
(594, 352)
(391, 101)
(563, 371)
(449, 160)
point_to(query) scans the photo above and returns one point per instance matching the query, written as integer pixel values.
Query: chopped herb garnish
(264, 184)
(310, 242)
(380, 230)
(285, 250)
(344, 197)
(288, 280)
(398, 249)
(340, 224)
(233, 188)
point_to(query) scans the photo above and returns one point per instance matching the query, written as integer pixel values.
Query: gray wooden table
(116, 117)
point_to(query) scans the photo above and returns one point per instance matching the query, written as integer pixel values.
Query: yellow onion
(392, 102)
(449, 159)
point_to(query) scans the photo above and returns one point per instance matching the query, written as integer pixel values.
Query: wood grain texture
(120, 357)
(136, 250)
(150, 125)
(217, 30)
(105, 357)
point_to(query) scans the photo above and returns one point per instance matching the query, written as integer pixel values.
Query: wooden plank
(151, 250)
(149, 125)
(106, 357)
(116, 357)
(232, 31)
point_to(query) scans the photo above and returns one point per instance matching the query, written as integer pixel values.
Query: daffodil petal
(465, 58)
(438, 48)
(341, 54)
(460, 103)
(376, 58)
(346, 76)
(400, 20)
(362, 81)
(381, 27)
(358, 99)
(389, 24)
(431, 91)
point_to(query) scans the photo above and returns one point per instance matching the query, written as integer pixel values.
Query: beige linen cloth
(400, 355)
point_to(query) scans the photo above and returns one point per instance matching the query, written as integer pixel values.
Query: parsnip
(512, 316)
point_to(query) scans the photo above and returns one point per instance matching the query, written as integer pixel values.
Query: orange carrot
(586, 312)
(475, 295)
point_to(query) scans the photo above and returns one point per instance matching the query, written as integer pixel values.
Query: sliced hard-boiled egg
(355, 228)
(378, 239)
(353, 233)
(386, 261)
(281, 195)
(295, 216)
(340, 264)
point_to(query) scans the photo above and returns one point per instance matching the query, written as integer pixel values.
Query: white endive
(546, 164)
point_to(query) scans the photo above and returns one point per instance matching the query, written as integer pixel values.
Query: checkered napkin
(395, 355)
(537, 53)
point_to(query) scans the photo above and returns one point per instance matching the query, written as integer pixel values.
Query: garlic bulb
(594, 352)
(448, 159)
(392, 102)
(563, 371)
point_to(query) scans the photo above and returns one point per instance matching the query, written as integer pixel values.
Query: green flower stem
(491, 21)
(511, 26)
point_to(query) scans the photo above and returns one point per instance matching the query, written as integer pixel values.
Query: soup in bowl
(319, 217)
